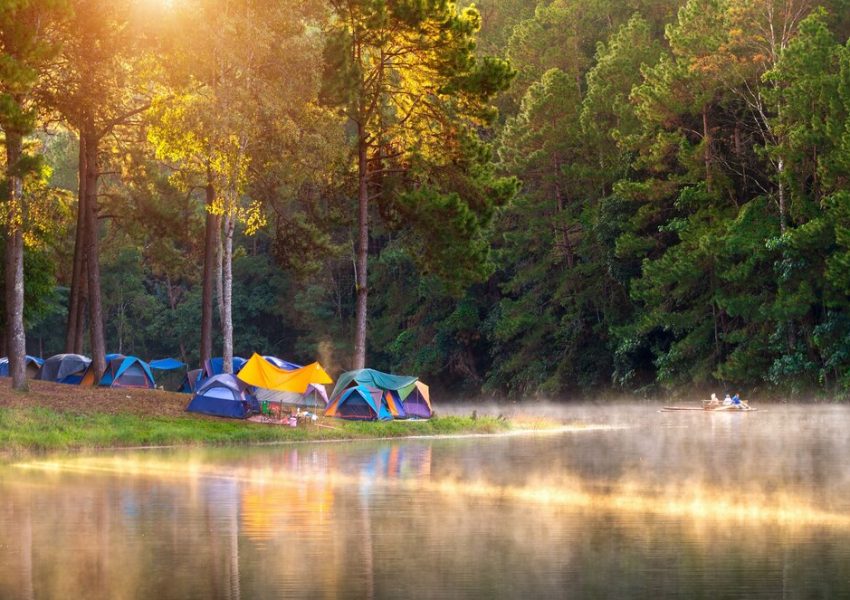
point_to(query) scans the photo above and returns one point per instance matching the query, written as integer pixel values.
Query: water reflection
(679, 507)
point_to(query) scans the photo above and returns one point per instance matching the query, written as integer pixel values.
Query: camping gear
(32, 366)
(167, 364)
(260, 373)
(127, 372)
(170, 373)
(224, 396)
(404, 396)
(359, 403)
(64, 368)
(315, 395)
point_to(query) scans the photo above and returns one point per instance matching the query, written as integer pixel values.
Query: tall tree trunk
(119, 321)
(15, 337)
(361, 260)
(82, 307)
(706, 150)
(209, 273)
(227, 295)
(74, 328)
(219, 272)
(98, 345)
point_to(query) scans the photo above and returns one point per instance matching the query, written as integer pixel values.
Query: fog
(625, 502)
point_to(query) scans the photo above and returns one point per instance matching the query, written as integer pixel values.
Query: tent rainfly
(32, 365)
(260, 373)
(166, 364)
(316, 395)
(64, 368)
(215, 366)
(403, 396)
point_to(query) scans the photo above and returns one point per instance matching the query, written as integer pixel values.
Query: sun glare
(694, 503)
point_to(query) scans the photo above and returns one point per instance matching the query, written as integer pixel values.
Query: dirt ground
(79, 399)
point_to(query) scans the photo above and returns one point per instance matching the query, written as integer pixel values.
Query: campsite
(49, 419)
(424, 299)
(270, 390)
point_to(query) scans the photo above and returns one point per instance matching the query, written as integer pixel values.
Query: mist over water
(644, 504)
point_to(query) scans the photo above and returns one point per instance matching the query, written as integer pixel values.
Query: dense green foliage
(662, 201)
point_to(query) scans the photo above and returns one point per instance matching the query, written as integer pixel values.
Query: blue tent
(127, 371)
(373, 379)
(64, 368)
(215, 366)
(166, 364)
(31, 366)
(224, 396)
(404, 396)
(88, 375)
(360, 403)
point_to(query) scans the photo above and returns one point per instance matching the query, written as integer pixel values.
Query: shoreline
(347, 440)
(40, 430)
(54, 417)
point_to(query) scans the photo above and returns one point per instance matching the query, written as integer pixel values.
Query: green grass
(44, 429)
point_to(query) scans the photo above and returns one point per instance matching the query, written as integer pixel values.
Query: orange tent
(261, 373)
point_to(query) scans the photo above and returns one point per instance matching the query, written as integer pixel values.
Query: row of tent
(121, 371)
(364, 394)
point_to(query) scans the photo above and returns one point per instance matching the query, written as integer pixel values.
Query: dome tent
(359, 403)
(127, 372)
(32, 366)
(403, 396)
(224, 396)
(64, 368)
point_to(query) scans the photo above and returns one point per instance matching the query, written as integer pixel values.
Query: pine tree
(406, 76)
(27, 44)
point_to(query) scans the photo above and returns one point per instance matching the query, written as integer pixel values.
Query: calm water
(650, 505)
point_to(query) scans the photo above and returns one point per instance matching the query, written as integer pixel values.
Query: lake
(641, 504)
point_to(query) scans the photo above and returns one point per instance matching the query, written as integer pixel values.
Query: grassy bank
(57, 417)
(45, 429)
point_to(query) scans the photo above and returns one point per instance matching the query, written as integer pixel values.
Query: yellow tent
(261, 373)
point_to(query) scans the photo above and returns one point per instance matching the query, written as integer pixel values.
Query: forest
(511, 199)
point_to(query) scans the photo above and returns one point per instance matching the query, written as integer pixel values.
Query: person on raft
(713, 403)
(734, 402)
(729, 402)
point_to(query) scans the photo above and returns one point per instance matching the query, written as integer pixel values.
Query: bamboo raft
(701, 409)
